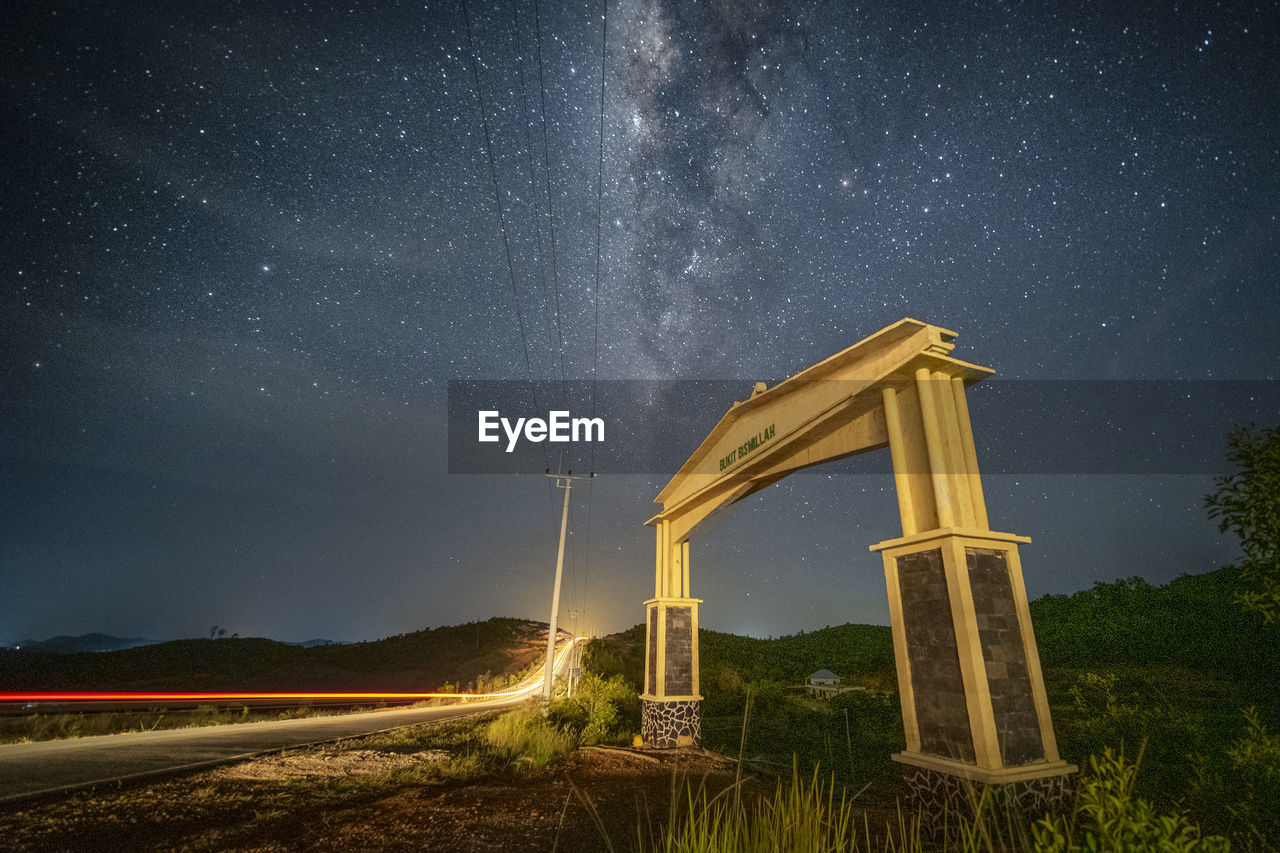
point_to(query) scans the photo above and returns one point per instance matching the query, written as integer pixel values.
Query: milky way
(245, 247)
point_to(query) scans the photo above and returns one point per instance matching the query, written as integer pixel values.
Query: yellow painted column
(660, 676)
(648, 653)
(1032, 653)
(898, 454)
(659, 563)
(902, 661)
(697, 676)
(665, 589)
(970, 455)
(973, 668)
(956, 472)
(935, 448)
(675, 570)
(684, 571)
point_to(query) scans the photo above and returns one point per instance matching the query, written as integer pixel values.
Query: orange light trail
(135, 696)
(131, 696)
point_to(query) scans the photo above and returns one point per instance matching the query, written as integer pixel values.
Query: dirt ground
(316, 801)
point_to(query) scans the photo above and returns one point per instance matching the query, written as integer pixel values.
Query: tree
(1247, 502)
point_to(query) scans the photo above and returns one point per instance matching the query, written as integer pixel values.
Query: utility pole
(563, 481)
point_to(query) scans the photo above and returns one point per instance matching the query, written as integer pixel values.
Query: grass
(814, 815)
(601, 710)
(526, 735)
(804, 816)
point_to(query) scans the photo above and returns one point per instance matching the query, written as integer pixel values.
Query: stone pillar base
(668, 723)
(939, 797)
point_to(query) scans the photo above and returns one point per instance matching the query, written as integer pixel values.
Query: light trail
(179, 696)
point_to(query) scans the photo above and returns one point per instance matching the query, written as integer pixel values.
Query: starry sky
(246, 246)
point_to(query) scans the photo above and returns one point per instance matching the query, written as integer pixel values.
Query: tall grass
(804, 817)
(525, 734)
(811, 816)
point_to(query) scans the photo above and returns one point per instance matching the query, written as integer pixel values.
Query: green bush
(612, 709)
(1247, 502)
(1109, 818)
(1240, 789)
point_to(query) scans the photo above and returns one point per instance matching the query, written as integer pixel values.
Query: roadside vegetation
(602, 710)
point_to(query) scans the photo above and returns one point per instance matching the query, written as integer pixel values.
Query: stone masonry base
(667, 724)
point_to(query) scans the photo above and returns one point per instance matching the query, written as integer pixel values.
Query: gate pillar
(969, 678)
(671, 706)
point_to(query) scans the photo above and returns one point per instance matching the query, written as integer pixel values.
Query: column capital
(978, 537)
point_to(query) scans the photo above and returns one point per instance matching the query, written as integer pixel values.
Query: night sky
(246, 246)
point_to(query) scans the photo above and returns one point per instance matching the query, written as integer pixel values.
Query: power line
(497, 195)
(595, 344)
(533, 188)
(537, 229)
(506, 243)
(551, 210)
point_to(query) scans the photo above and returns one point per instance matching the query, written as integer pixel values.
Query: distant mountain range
(66, 645)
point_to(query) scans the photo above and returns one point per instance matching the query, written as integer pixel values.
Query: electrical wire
(595, 344)
(551, 210)
(497, 195)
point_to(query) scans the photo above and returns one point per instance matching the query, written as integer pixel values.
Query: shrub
(612, 708)
(1108, 817)
(1241, 788)
(1247, 502)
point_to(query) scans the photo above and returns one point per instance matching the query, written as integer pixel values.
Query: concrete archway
(972, 693)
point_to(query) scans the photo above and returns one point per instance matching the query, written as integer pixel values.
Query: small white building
(823, 683)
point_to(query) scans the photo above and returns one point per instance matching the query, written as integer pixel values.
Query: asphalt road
(43, 767)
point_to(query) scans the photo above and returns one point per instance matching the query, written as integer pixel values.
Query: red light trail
(136, 696)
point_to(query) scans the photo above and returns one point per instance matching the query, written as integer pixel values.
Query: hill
(418, 661)
(66, 645)
(1192, 622)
